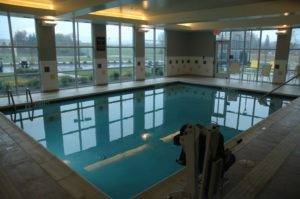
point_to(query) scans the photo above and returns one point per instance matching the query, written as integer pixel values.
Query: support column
(281, 57)
(139, 55)
(100, 54)
(47, 56)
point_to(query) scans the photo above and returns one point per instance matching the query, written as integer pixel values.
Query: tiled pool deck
(271, 148)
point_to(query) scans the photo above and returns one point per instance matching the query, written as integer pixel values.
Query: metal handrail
(264, 96)
(28, 96)
(10, 98)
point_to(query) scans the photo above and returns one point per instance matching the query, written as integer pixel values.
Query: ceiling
(174, 14)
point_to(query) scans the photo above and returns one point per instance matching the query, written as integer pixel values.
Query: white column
(100, 54)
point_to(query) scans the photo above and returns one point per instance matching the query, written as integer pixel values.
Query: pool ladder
(279, 86)
(10, 98)
(29, 97)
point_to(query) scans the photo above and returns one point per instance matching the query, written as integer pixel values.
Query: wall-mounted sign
(100, 43)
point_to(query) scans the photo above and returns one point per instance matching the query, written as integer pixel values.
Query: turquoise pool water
(121, 142)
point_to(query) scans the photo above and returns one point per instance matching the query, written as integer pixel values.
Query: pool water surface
(122, 142)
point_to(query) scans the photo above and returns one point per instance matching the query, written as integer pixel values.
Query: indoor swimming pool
(122, 142)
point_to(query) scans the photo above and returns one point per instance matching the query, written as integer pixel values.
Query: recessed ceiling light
(145, 136)
(185, 24)
(49, 17)
(281, 32)
(145, 4)
(284, 25)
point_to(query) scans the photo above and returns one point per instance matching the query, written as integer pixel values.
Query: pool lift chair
(209, 183)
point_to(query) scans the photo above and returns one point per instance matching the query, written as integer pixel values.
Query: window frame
(119, 46)
(12, 47)
(76, 49)
(297, 51)
(248, 50)
(155, 48)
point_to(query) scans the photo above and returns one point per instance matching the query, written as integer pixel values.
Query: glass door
(222, 58)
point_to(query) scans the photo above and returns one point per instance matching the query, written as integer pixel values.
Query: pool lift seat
(210, 182)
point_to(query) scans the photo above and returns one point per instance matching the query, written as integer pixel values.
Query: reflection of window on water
(120, 116)
(238, 111)
(78, 126)
(154, 104)
(32, 122)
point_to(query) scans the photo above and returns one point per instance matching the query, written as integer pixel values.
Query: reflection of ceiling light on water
(66, 161)
(145, 136)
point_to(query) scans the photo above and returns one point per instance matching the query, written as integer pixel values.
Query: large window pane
(149, 62)
(30, 81)
(113, 60)
(237, 40)
(159, 38)
(74, 55)
(86, 58)
(250, 65)
(149, 57)
(126, 36)
(112, 34)
(248, 39)
(26, 60)
(293, 64)
(154, 53)
(6, 82)
(266, 65)
(160, 61)
(64, 33)
(6, 63)
(294, 59)
(23, 30)
(66, 79)
(4, 33)
(127, 57)
(120, 52)
(85, 77)
(267, 57)
(295, 40)
(65, 59)
(25, 52)
(85, 34)
(223, 36)
(149, 38)
(294, 56)
(255, 39)
(268, 39)
(127, 63)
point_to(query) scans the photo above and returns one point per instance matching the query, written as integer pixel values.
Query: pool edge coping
(163, 81)
(28, 145)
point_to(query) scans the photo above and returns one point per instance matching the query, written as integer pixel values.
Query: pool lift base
(195, 183)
